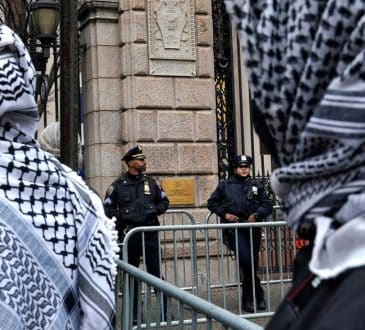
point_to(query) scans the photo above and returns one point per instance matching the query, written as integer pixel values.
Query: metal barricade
(197, 260)
(176, 247)
(270, 244)
(189, 310)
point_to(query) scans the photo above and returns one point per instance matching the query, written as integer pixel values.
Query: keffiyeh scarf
(56, 255)
(306, 68)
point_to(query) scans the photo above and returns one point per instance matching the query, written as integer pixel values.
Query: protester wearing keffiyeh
(56, 251)
(306, 68)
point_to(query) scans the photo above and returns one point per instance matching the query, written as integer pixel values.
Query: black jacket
(334, 303)
(135, 201)
(241, 197)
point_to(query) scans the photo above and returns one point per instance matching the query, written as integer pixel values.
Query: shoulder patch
(110, 190)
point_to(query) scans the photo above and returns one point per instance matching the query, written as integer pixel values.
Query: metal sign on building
(171, 37)
(179, 191)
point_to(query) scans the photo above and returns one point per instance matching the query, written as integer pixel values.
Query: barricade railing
(270, 243)
(171, 244)
(170, 306)
(174, 217)
(197, 260)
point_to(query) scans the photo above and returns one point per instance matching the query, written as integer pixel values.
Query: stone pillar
(150, 81)
(101, 90)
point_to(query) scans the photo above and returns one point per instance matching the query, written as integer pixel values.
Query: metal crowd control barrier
(200, 311)
(195, 259)
(173, 217)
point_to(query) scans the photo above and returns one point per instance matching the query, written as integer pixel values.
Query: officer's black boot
(165, 315)
(247, 302)
(164, 312)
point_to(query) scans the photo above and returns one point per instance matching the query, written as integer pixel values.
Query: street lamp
(45, 17)
(43, 27)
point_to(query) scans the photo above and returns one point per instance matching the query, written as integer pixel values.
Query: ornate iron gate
(235, 133)
(224, 87)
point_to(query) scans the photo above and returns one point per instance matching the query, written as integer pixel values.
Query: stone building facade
(148, 79)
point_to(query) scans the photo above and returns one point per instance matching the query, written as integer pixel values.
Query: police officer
(240, 198)
(135, 199)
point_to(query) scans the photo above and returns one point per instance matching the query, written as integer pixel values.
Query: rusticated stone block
(86, 65)
(96, 63)
(206, 126)
(92, 161)
(134, 59)
(133, 27)
(132, 4)
(194, 93)
(161, 158)
(126, 126)
(98, 34)
(91, 134)
(197, 158)
(102, 160)
(148, 92)
(204, 31)
(205, 66)
(203, 7)
(102, 94)
(106, 34)
(145, 125)
(109, 93)
(207, 184)
(111, 159)
(175, 126)
(90, 96)
(106, 56)
(102, 127)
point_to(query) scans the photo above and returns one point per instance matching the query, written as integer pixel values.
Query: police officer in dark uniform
(135, 199)
(240, 198)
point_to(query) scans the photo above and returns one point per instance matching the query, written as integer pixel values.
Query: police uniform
(242, 197)
(137, 200)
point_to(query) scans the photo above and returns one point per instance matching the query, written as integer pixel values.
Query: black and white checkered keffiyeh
(56, 253)
(306, 68)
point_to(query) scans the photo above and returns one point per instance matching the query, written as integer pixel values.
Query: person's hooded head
(17, 84)
(50, 140)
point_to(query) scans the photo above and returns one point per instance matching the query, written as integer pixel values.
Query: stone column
(150, 81)
(101, 90)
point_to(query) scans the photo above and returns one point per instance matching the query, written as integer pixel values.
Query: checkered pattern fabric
(306, 68)
(56, 252)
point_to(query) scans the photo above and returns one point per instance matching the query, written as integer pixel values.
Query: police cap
(134, 153)
(242, 160)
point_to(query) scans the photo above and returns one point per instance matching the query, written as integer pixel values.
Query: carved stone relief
(171, 34)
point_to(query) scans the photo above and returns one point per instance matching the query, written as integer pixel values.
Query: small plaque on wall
(179, 191)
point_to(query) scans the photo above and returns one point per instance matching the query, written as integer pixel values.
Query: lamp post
(69, 82)
(43, 27)
(46, 14)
